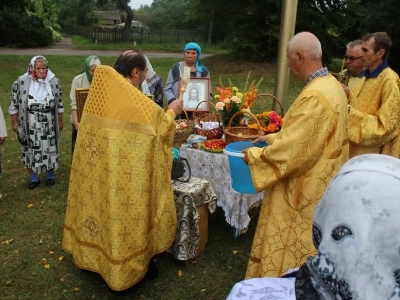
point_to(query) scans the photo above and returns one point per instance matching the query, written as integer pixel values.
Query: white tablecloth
(215, 168)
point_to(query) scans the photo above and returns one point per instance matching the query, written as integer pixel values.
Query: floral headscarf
(39, 88)
(356, 230)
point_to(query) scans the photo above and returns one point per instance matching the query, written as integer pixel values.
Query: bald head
(307, 43)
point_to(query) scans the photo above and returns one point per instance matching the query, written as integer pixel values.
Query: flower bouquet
(230, 99)
(270, 122)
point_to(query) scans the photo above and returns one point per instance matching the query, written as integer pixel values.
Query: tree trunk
(128, 21)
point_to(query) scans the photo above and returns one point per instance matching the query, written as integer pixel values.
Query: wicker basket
(242, 133)
(215, 133)
(261, 120)
(182, 134)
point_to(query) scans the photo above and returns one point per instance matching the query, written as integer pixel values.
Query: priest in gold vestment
(355, 66)
(120, 209)
(296, 167)
(374, 106)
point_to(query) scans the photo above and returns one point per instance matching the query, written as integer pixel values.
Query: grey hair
(354, 44)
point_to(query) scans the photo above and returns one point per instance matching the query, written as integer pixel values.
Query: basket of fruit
(214, 145)
(242, 133)
(184, 128)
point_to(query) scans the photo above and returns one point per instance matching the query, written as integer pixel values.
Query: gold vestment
(294, 171)
(375, 115)
(120, 210)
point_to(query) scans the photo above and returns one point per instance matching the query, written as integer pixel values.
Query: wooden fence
(115, 34)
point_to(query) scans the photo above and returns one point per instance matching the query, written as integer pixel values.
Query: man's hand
(261, 138)
(76, 125)
(2, 140)
(176, 106)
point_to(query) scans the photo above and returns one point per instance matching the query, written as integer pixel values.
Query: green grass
(82, 43)
(33, 220)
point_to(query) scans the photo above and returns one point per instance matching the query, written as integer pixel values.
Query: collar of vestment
(319, 73)
(375, 73)
(359, 75)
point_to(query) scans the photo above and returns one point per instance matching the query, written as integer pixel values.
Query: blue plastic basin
(240, 172)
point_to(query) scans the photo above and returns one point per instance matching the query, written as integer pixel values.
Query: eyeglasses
(350, 58)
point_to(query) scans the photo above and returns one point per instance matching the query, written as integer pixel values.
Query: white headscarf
(356, 230)
(150, 73)
(39, 88)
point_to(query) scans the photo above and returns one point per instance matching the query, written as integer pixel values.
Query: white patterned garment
(215, 168)
(263, 289)
(356, 229)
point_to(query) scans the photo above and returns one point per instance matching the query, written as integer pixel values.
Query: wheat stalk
(185, 81)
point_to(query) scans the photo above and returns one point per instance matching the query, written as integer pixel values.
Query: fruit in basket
(214, 145)
(182, 125)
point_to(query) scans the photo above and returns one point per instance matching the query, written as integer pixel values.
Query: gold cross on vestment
(91, 148)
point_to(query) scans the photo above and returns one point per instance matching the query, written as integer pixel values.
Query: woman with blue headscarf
(191, 55)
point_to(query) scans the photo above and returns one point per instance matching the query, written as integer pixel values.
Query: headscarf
(90, 61)
(39, 88)
(150, 73)
(195, 46)
(356, 227)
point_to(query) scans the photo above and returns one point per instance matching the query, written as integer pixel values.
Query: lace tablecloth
(215, 168)
(188, 197)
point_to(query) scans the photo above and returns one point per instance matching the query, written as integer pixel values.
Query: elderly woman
(355, 230)
(36, 110)
(191, 55)
(152, 85)
(82, 80)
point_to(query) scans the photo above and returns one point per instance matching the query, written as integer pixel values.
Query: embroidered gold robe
(120, 208)
(294, 171)
(375, 115)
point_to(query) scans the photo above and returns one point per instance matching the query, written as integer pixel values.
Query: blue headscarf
(195, 46)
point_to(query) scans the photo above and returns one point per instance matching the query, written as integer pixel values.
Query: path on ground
(66, 47)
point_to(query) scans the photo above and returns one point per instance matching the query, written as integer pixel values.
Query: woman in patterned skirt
(36, 110)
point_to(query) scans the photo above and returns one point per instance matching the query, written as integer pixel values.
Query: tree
(123, 4)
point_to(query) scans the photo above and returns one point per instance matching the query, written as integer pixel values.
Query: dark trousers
(74, 134)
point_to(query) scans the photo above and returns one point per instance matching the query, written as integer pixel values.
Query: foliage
(171, 14)
(27, 31)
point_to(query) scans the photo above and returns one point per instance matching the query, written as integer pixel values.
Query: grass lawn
(31, 222)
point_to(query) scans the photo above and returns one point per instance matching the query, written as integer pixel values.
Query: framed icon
(197, 90)
(81, 95)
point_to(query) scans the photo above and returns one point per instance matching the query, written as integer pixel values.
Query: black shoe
(152, 271)
(50, 181)
(33, 185)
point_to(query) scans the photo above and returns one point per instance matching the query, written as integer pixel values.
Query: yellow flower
(217, 96)
(240, 95)
(235, 89)
(220, 105)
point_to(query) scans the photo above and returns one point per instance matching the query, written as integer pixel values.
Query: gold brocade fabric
(120, 209)
(375, 116)
(294, 170)
(353, 82)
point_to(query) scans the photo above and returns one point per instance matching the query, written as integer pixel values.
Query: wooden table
(193, 201)
(215, 168)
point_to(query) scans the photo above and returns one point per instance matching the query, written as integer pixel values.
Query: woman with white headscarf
(355, 230)
(36, 110)
(152, 85)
